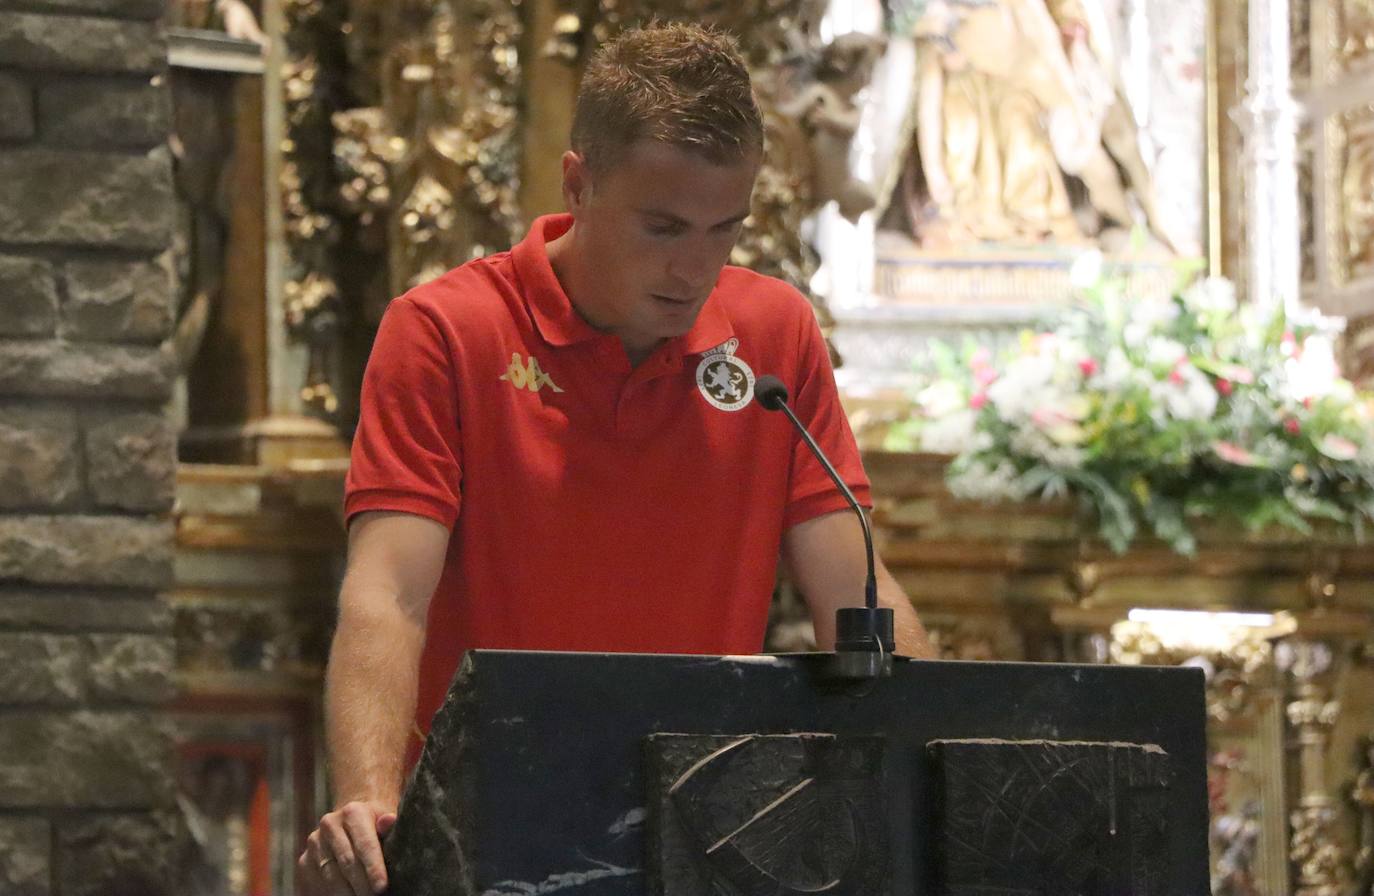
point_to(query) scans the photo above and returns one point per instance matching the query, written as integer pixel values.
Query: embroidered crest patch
(727, 382)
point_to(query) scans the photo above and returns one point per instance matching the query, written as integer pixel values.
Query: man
(559, 445)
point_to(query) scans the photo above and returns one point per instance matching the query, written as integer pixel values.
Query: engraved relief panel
(1355, 34)
(1355, 183)
(1300, 41)
(1307, 228)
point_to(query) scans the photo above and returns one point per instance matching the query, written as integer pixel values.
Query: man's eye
(663, 229)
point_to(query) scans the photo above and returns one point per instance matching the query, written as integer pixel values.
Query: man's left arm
(826, 559)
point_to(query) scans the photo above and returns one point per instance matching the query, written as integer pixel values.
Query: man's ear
(577, 182)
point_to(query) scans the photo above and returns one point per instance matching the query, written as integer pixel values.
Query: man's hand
(343, 856)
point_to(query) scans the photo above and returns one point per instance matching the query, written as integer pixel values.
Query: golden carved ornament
(363, 154)
(1362, 797)
(1306, 212)
(1238, 661)
(451, 134)
(1318, 861)
(1314, 712)
(1300, 41)
(308, 190)
(1356, 179)
(971, 638)
(1356, 40)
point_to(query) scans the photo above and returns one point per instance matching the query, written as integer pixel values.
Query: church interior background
(206, 206)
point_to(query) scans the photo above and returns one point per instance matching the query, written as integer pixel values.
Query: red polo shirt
(594, 506)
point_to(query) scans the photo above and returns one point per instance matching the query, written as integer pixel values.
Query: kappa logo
(725, 381)
(527, 374)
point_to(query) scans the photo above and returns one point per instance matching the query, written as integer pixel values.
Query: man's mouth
(672, 300)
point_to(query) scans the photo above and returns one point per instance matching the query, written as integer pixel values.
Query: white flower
(1118, 372)
(953, 433)
(1035, 443)
(1164, 353)
(941, 398)
(1086, 270)
(981, 482)
(1211, 295)
(1146, 318)
(1187, 395)
(1027, 383)
(1313, 374)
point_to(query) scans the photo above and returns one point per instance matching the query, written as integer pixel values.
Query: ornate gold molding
(1355, 180)
(1300, 41)
(310, 88)
(1307, 223)
(1362, 796)
(1238, 661)
(438, 162)
(1355, 38)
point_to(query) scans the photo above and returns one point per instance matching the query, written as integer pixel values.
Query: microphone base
(861, 629)
(864, 644)
(856, 665)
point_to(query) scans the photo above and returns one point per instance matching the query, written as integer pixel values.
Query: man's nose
(695, 264)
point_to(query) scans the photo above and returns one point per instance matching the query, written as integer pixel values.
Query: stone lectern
(612, 775)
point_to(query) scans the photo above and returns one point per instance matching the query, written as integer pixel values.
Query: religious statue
(825, 109)
(1014, 97)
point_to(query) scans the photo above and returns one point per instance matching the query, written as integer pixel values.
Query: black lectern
(621, 774)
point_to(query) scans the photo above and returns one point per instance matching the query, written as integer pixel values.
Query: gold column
(1319, 861)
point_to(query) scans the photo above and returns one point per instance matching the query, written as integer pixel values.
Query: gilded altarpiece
(1334, 82)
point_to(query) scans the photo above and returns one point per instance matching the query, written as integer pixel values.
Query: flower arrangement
(1155, 413)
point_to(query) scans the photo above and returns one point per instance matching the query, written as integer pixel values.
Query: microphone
(867, 629)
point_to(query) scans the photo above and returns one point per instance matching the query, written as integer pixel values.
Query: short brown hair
(679, 84)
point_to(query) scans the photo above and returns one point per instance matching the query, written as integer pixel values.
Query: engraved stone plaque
(767, 815)
(1052, 818)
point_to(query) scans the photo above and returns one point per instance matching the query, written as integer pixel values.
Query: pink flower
(1224, 386)
(1338, 448)
(1175, 376)
(1236, 373)
(1291, 424)
(978, 400)
(1088, 366)
(981, 358)
(1234, 454)
(984, 376)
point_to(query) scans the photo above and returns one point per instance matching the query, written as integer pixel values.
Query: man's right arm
(394, 563)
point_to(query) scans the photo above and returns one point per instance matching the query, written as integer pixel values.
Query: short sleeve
(816, 401)
(406, 452)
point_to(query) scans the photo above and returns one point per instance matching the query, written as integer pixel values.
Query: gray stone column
(86, 451)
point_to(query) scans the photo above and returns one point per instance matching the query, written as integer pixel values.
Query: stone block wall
(87, 452)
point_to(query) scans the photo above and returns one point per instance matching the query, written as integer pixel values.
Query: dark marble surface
(541, 775)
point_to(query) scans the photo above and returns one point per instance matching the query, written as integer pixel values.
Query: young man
(558, 446)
